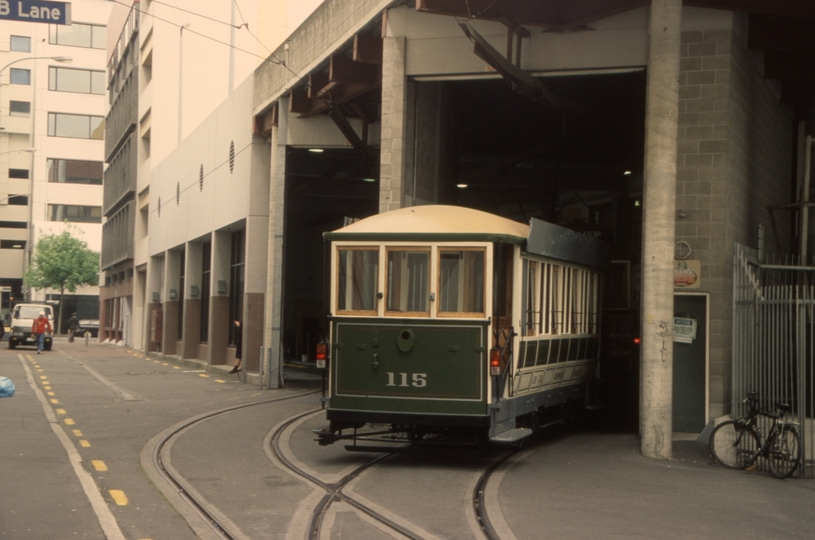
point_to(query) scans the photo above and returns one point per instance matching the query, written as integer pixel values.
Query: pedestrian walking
(238, 340)
(39, 327)
(73, 324)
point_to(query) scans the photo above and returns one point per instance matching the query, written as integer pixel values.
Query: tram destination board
(41, 11)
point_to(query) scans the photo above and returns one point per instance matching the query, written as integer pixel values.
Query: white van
(22, 317)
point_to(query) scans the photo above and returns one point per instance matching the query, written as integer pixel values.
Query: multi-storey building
(169, 67)
(52, 105)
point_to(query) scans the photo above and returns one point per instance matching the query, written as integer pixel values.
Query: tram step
(511, 435)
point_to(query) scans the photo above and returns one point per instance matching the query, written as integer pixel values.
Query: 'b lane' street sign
(35, 11)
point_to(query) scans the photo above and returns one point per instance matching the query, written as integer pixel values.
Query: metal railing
(773, 347)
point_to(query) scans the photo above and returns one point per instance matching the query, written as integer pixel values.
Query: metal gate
(774, 340)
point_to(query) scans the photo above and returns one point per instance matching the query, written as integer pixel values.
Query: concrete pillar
(272, 335)
(394, 120)
(659, 209)
(219, 301)
(254, 279)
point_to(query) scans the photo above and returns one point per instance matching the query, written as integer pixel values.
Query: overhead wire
(191, 185)
(272, 58)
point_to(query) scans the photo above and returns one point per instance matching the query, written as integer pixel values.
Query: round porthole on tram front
(405, 340)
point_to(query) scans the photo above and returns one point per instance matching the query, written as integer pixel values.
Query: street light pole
(63, 59)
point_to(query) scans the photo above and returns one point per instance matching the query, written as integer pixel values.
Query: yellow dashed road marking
(176, 367)
(43, 377)
(203, 375)
(47, 387)
(219, 380)
(77, 433)
(69, 422)
(165, 364)
(99, 465)
(119, 497)
(54, 401)
(84, 444)
(60, 411)
(51, 393)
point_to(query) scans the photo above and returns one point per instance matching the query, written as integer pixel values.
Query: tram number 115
(418, 380)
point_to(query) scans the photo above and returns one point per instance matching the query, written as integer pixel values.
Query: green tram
(447, 321)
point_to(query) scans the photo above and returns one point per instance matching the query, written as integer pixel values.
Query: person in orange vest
(39, 327)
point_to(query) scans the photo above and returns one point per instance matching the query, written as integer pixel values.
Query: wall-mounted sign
(35, 11)
(684, 329)
(687, 274)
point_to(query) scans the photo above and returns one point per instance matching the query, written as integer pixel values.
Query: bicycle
(737, 444)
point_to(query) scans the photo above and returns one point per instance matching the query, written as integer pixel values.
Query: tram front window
(461, 282)
(357, 280)
(408, 281)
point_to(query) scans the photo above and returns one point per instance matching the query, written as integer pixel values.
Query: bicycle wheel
(733, 447)
(785, 453)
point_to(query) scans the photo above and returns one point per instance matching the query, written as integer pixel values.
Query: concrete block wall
(734, 143)
(392, 149)
(327, 28)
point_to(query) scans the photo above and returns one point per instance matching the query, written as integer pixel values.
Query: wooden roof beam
(367, 49)
(265, 121)
(344, 69)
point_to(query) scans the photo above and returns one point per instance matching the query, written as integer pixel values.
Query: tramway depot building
(575, 118)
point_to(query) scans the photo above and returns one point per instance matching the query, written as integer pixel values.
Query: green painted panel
(409, 366)
(543, 354)
(528, 351)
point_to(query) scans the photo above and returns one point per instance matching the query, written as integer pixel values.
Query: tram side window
(357, 280)
(408, 282)
(532, 306)
(461, 282)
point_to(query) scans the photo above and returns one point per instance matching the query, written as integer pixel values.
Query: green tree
(62, 262)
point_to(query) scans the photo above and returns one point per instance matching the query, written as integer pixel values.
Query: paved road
(73, 439)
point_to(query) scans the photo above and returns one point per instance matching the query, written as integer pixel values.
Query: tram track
(160, 460)
(220, 527)
(334, 491)
(479, 499)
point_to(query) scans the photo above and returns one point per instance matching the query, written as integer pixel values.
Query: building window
(91, 36)
(13, 225)
(20, 76)
(21, 43)
(75, 213)
(19, 108)
(78, 126)
(82, 81)
(18, 173)
(236, 265)
(206, 267)
(12, 244)
(71, 171)
(18, 200)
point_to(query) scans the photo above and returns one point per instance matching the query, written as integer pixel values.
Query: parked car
(88, 325)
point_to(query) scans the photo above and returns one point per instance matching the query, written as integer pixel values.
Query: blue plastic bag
(6, 387)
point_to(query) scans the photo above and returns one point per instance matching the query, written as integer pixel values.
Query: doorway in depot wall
(690, 362)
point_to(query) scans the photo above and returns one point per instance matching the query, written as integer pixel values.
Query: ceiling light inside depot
(316, 150)
(461, 186)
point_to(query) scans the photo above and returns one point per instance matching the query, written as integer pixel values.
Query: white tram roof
(437, 219)
(440, 222)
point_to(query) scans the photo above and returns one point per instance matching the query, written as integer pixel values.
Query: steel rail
(334, 491)
(200, 507)
(479, 504)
